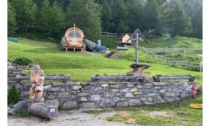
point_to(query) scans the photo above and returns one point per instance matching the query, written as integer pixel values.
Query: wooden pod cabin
(74, 39)
(125, 40)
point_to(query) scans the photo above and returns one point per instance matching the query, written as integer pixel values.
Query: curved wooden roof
(70, 33)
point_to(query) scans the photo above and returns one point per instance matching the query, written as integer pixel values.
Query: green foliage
(12, 24)
(177, 19)
(86, 15)
(22, 114)
(22, 61)
(13, 96)
(25, 14)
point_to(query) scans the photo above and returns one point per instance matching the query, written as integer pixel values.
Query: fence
(175, 50)
(173, 61)
(108, 34)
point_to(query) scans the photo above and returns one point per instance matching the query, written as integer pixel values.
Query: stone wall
(110, 94)
(13, 70)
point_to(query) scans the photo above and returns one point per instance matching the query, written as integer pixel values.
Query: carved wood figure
(36, 81)
(36, 104)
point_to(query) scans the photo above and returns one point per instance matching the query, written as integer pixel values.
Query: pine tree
(177, 19)
(25, 14)
(12, 25)
(55, 19)
(86, 15)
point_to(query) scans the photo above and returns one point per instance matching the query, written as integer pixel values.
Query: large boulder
(63, 41)
(90, 46)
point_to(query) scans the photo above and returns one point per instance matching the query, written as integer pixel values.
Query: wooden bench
(157, 78)
(127, 78)
(64, 78)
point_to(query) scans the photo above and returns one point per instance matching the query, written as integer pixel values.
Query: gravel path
(68, 118)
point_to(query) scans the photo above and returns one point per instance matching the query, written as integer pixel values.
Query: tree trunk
(41, 110)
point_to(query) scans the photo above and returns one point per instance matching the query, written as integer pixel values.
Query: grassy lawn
(173, 42)
(82, 65)
(173, 114)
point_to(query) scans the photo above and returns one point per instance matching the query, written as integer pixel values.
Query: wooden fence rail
(172, 61)
(109, 34)
(128, 78)
(175, 50)
(64, 78)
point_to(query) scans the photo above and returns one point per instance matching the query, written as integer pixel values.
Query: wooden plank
(158, 78)
(94, 78)
(56, 77)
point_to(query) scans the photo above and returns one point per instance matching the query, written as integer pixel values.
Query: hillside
(82, 65)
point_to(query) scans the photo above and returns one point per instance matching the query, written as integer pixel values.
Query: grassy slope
(81, 66)
(176, 42)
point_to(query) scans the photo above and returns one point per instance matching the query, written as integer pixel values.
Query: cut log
(158, 78)
(42, 110)
(95, 78)
(64, 77)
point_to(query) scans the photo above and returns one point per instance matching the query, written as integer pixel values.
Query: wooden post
(137, 46)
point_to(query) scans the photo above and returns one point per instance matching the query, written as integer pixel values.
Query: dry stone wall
(110, 94)
(13, 70)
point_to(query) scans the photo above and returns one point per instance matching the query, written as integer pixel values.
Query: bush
(22, 61)
(13, 96)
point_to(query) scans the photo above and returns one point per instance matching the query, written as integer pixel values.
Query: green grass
(181, 114)
(173, 42)
(95, 112)
(82, 65)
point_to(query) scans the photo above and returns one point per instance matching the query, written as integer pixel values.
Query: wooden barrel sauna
(74, 39)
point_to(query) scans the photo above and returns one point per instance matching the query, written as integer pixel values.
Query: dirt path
(68, 118)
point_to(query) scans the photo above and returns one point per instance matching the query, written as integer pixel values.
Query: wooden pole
(137, 46)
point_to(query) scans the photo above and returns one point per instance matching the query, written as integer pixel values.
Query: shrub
(13, 96)
(22, 61)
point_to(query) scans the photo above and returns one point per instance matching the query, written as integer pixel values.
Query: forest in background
(51, 18)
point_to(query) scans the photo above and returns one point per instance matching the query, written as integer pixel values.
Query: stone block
(148, 85)
(9, 64)
(88, 105)
(107, 103)
(121, 104)
(77, 87)
(114, 86)
(63, 95)
(129, 95)
(130, 85)
(133, 90)
(135, 102)
(116, 99)
(170, 94)
(95, 97)
(54, 102)
(115, 90)
(104, 85)
(82, 94)
(163, 91)
(55, 89)
(139, 86)
(47, 88)
(83, 99)
(11, 68)
(125, 90)
(158, 99)
(69, 104)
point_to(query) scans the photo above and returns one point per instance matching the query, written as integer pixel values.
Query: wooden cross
(137, 47)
